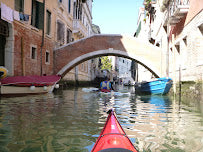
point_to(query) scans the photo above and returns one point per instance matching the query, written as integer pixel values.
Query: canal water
(70, 120)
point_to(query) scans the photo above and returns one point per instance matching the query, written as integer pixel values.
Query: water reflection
(71, 120)
(160, 102)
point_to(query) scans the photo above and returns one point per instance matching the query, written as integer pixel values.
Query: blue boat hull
(159, 86)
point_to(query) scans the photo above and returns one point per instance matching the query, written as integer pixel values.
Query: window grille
(4, 31)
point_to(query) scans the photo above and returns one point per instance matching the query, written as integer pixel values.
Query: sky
(116, 16)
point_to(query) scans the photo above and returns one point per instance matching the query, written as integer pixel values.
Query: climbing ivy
(106, 63)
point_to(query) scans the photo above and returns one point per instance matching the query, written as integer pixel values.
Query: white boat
(21, 85)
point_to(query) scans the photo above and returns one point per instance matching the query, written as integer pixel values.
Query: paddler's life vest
(105, 85)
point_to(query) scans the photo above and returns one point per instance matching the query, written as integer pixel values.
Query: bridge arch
(68, 56)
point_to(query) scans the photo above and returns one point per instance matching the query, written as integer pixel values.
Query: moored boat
(20, 85)
(113, 138)
(157, 86)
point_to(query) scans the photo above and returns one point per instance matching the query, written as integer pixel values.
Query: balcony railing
(177, 9)
(79, 28)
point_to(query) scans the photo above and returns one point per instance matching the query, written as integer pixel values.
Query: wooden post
(180, 83)
(174, 64)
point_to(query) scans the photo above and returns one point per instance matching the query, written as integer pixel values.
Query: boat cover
(31, 80)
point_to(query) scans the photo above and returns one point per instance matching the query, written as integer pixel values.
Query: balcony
(79, 29)
(177, 9)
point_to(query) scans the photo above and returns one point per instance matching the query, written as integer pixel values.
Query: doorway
(3, 34)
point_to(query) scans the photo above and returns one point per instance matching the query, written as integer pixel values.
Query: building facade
(123, 67)
(142, 33)
(176, 26)
(32, 29)
(82, 27)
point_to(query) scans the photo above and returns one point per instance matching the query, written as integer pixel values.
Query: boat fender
(32, 88)
(3, 72)
(45, 88)
(57, 86)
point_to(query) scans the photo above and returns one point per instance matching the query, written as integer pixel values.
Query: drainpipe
(174, 65)
(22, 58)
(42, 43)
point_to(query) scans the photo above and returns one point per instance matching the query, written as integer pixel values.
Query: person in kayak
(105, 86)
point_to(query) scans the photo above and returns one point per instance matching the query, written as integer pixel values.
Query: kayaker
(105, 86)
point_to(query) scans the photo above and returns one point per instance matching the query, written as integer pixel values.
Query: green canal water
(70, 120)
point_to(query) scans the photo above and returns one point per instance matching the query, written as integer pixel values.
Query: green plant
(106, 63)
(147, 4)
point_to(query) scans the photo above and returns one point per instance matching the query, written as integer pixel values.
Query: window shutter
(40, 15)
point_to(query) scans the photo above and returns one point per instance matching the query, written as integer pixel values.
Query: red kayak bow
(113, 138)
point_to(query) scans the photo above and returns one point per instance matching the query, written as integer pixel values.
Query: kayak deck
(113, 138)
(115, 150)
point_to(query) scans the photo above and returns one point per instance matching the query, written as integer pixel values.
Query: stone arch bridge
(72, 54)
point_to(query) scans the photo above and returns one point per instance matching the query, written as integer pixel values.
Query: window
(177, 46)
(198, 45)
(48, 23)
(60, 32)
(77, 10)
(4, 29)
(201, 28)
(19, 5)
(85, 67)
(68, 36)
(37, 14)
(185, 40)
(69, 6)
(33, 52)
(47, 57)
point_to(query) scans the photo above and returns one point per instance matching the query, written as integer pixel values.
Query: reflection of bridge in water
(68, 56)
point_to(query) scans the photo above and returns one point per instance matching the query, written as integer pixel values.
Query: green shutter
(39, 15)
(138, 29)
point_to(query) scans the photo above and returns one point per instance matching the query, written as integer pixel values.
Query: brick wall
(190, 56)
(24, 38)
